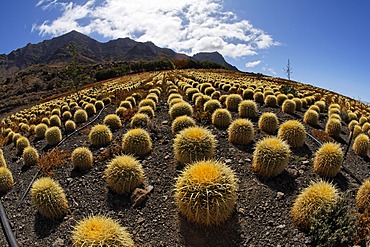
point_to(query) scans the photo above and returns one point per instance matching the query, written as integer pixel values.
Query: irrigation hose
(10, 238)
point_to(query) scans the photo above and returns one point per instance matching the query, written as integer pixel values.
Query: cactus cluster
(206, 192)
(328, 159)
(136, 142)
(241, 131)
(124, 174)
(82, 158)
(100, 135)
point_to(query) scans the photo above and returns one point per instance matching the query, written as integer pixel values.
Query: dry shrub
(322, 136)
(50, 160)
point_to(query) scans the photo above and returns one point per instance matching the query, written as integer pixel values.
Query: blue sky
(327, 42)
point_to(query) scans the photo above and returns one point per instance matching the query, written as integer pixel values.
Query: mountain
(213, 57)
(90, 51)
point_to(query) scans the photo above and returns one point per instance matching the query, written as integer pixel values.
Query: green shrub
(247, 109)
(206, 192)
(100, 135)
(328, 160)
(241, 131)
(268, 122)
(53, 136)
(137, 142)
(181, 123)
(293, 132)
(221, 118)
(82, 158)
(124, 174)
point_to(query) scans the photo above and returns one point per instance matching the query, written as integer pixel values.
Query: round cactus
(212, 105)
(121, 111)
(70, 126)
(315, 108)
(270, 100)
(46, 121)
(206, 192)
(193, 144)
(333, 127)
(268, 122)
(6, 179)
(15, 138)
(80, 116)
(112, 121)
(2, 159)
(66, 115)
(131, 99)
(328, 160)
(90, 109)
(311, 117)
(181, 109)
(190, 92)
(82, 158)
(137, 142)
(139, 120)
(173, 96)
(247, 94)
(361, 145)
(124, 174)
(232, 102)
(293, 132)
(309, 202)
(181, 123)
(247, 109)
(298, 104)
(270, 157)
(53, 136)
(100, 231)
(22, 143)
(258, 97)
(280, 98)
(216, 95)
(365, 127)
(174, 101)
(147, 110)
(221, 118)
(100, 135)
(55, 121)
(321, 105)
(201, 100)
(241, 131)
(126, 104)
(49, 198)
(148, 102)
(288, 106)
(30, 156)
(363, 196)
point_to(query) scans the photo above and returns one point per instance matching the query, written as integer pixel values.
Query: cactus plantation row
(233, 159)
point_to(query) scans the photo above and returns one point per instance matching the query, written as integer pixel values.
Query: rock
(279, 195)
(300, 171)
(140, 220)
(58, 242)
(306, 162)
(280, 226)
(165, 122)
(138, 196)
(228, 161)
(293, 172)
(248, 160)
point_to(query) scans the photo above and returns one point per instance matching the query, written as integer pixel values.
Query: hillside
(261, 206)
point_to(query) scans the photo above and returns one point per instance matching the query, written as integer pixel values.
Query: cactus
(30, 156)
(328, 160)
(121, 111)
(174, 101)
(333, 127)
(16, 136)
(298, 104)
(22, 143)
(126, 104)
(181, 123)
(100, 135)
(82, 158)
(173, 96)
(247, 94)
(201, 100)
(232, 102)
(209, 90)
(193, 144)
(280, 98)
(363, 196)
(90, 109)
(206, 192)
(288, 106)
(46, 121)
(315, 108)
(100, 231)
(112, 121)
(293, 132)
(6, 179)
(241, 131)
(49, 198)
(2, 159)
(53, 136)
(55, 121)
(356, 131)
(148, 102)
(247, 109)
(362, 120)
(137, 142)
(221, 118)
(258, 97)
(70, 126)
(216, 95)
(365, 127)
(99, 105)
(321, 105)
(124, 174)
(268, 122)
(55, 112)
(180, 109)
(212, 105)
(361, 145)
(270, 100)
(80, 116)
(147, 110)
(190, 92)
(139, 120)
(66, 115)
(132, 100)
(270, 157)
(311, 117)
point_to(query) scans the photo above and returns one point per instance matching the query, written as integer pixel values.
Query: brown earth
(262, 212)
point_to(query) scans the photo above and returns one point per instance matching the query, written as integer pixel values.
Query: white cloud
(187, 26)
(252, 64)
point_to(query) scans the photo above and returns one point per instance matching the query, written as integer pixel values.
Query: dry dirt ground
(262, 212)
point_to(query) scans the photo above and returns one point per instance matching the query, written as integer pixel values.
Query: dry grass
(50, 160)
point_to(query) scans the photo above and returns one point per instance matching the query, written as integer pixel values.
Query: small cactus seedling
(30, 156)
(100, 135)
(181, 123)
(206, 192)
(193, 144)
(361, 145)
(53, 136)
(137, 142)
(328, 159)
(49, 198)
(247, 109)
(241, 131)
(112, 121)
(82, 158)
(293, 132)
(268, 122)
(221, 118)
(270, 157)
(363, 196)
(318, 195)
(124, 174)
(6, 179)
(100, 231)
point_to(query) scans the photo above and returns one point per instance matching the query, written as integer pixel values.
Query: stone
(279, 195)
(165, 122)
